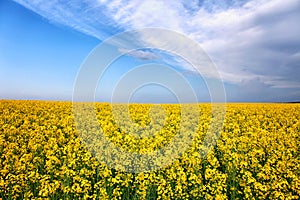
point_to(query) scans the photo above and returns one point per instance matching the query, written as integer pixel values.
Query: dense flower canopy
(256, 155)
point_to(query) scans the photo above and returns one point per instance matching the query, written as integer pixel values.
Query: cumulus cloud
(259, 43)
(249, 40)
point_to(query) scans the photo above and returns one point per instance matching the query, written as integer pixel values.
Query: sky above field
(255, 46)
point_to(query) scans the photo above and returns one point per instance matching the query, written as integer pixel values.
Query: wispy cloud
(140, 54)
(247, 40)
(87, 16)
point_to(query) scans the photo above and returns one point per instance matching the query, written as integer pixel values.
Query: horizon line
(121, 102)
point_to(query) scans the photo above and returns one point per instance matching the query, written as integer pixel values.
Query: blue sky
(255, 46)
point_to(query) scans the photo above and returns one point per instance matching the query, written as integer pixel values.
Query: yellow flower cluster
(43, 155)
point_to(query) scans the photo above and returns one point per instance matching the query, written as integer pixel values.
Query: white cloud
(247, 40)
(140, 54)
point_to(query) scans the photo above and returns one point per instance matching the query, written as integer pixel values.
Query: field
(42, 154)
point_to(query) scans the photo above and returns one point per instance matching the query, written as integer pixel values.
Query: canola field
(43, 156)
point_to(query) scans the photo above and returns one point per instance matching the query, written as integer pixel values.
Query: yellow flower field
(42, 155)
